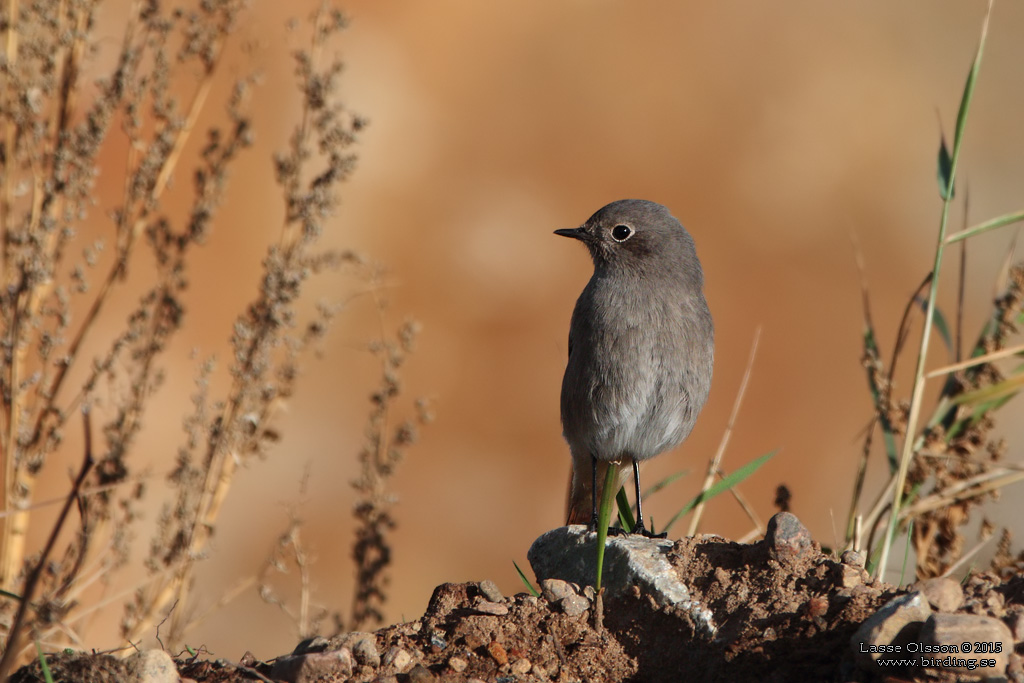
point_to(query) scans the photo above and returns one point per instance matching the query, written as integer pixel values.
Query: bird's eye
(621, 233)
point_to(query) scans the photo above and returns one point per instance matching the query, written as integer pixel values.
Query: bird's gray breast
(639, 368)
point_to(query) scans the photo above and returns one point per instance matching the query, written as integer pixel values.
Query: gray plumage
(641, 344)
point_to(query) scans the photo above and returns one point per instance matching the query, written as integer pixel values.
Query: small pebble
(490, 591)
(497, 652)
(495, 608)
(521, 667)
(854, 558)
(574, 605)
(554, 590)
(398, 658)
(365, 651)
(457, 664)
(420, 674)
(787, 538)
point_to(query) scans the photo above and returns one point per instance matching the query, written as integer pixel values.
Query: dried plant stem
(714, 466)
(979, 360)
(14, 635)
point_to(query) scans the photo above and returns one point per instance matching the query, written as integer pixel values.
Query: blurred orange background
(771, 130)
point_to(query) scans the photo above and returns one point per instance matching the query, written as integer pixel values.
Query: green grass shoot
(604, 515)
(526, 582)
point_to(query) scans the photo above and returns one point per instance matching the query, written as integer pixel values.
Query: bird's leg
(640, 528)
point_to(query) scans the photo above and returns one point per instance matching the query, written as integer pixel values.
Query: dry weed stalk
(52, 138)
(54, 288)
(957, 458)
(266, 348)
(380, 455)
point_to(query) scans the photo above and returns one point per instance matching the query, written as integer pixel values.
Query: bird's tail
(579, 506)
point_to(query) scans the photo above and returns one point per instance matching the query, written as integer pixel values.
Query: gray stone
(365, 651)
(787, 538)
(574, 605)
(152, 666)
(313, 666)
(398, 658)
(854, 558)
(490, 591)
(944, 594)
(961, 635)
(896, 623)
(496, 608)
(554, 590)
(570, 553)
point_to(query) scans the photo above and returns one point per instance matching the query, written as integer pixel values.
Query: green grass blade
(43, 665)
(916, 395)
(968, 96)
(626, 520)
(727, 482)
(604, 515)
(526, 582)
(945, 170)
(939, 322)
(670, 479)
(906, 551)
(991, 224)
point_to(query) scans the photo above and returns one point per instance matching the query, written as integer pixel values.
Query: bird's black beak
(577, 233)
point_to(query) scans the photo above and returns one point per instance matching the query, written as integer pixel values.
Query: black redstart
(641, 348)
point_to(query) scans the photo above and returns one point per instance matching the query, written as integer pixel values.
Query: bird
(641, 349)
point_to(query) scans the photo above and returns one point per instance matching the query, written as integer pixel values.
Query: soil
(779, 618)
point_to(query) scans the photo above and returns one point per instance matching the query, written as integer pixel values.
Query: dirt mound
(776, 610)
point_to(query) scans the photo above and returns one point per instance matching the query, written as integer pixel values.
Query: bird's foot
(642, 531)
(612, 530)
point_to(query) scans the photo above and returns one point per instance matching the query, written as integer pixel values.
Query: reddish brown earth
(779, 618)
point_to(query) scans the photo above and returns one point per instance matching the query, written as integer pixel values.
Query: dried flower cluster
(55, 286)
(957, 458)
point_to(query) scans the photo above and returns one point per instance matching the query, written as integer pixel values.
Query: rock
(495, 608)
(1016, 624)
(420, 674)
(457, 664)
(397, 658)
(787, 539)
(152, 666)
(521, 667)
(569, 553)
(850, 576)
(854, 558)
(489, 589)
(314, 644)
(365, 650)
(897, 623)
(313, 666)
(574, 605)
(966, 639)
(497, 652)
(554, 590)
(944, 594)
(448, 597)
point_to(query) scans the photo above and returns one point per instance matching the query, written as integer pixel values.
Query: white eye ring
(621, 233)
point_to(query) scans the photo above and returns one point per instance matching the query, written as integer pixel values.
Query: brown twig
(714, 467)
(14, 636)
